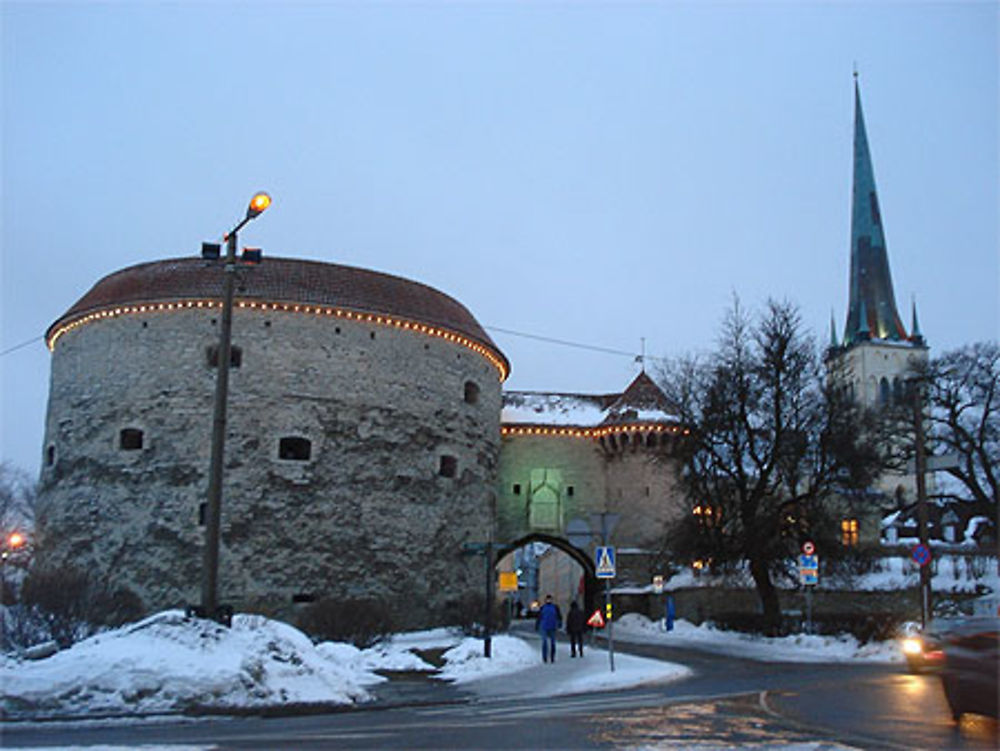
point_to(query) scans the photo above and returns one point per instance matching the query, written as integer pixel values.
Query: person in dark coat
(576, 624)
(549, 621)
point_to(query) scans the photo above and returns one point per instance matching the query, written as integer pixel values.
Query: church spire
(872, 310)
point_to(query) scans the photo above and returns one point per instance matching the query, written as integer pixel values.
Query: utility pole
(921, 470)
(213, 506)
(488, 639)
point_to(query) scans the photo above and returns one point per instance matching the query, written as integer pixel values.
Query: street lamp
(213, 510)
(11, 544)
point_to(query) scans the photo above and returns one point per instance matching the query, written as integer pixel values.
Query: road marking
(819, 729)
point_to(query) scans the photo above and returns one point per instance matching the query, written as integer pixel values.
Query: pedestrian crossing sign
(605, 568)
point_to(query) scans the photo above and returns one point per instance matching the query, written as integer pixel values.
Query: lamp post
(213, 509)
(11, 544)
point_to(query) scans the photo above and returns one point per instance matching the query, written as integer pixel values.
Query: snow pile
(168, 663)
(795, 648)
(465, 661)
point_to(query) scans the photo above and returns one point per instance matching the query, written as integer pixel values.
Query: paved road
(727, 702)
(863, 705)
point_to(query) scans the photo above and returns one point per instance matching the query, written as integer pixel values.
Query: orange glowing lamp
(15, 540)
(258, 205)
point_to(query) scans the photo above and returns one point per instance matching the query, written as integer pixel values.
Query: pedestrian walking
(576, 624)
(549, 621)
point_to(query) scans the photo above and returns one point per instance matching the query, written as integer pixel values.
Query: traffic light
(252, 255)
(211, 251)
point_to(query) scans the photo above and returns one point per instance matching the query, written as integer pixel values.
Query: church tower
(876, 354)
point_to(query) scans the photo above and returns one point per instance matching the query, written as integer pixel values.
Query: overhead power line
(577, 345)
(22, 345)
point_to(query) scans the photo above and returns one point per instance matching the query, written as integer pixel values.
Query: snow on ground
(795, 648)
(167, 663)
(950, 573)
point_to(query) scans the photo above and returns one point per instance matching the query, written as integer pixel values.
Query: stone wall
(371, 511)
(639, 483)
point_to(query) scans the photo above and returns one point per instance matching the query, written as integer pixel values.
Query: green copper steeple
(872, 310)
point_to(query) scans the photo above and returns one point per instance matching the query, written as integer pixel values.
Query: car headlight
(912, 646)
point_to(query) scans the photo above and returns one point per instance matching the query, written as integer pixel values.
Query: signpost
(809, 576)
(605, 562)
(922, 554)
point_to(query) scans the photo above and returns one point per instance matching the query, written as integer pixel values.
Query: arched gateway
(590, 587)
(566, 458)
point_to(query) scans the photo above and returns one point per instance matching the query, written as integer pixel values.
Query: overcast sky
(592, 172)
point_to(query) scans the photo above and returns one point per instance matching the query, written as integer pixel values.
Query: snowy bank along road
(692, 688)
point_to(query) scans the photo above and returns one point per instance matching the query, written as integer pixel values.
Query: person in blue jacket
(549, 621)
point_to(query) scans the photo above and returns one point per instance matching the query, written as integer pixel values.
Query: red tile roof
(283, 280)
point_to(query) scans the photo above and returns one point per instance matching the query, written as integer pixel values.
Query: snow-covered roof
(641, 402)
(537, 408)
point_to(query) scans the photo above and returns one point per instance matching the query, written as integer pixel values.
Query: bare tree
(773, 441)
(18, 495)
(963, 394)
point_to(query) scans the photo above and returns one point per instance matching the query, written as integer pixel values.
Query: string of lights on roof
(315, 310)
(509, 430)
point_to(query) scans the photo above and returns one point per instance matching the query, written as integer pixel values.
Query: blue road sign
(605, 562)
(922, 554)
(809, 569)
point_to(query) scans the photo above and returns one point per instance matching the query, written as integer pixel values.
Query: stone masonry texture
(368, 514)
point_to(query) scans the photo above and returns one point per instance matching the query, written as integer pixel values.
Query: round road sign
(922, 554)
(808, 548)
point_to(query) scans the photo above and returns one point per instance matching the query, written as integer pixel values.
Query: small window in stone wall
(569, 491)
(202, 511)
(448, 467)
(235, 356)
(517, 488)
(130, 439)
(300, 598)
(50, 455)
(471, 392)
(295, 449)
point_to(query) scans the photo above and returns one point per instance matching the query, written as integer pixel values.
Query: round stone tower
(362, 437)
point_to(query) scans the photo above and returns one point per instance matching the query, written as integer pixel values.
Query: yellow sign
(508, 581)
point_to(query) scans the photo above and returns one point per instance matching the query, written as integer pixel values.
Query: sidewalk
(568, 675)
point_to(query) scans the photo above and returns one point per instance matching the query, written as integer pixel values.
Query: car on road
(921, 647)
(971, 667)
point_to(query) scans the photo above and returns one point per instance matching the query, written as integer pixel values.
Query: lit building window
(707, 516)
(849, 532)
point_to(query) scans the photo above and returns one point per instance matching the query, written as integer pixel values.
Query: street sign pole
(925, 570)
(809, 609)
(809, 577)
(611, 625)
